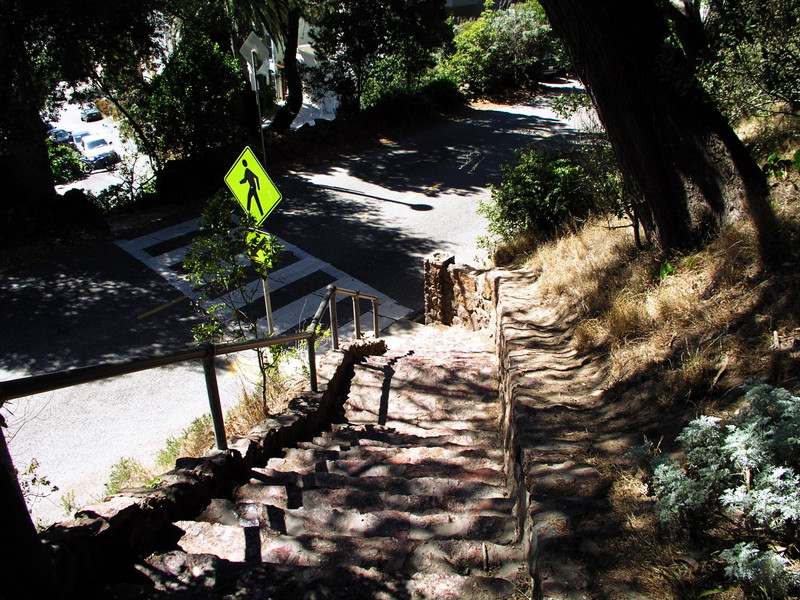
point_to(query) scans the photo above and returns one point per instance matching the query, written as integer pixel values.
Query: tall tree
(294, 82)
(281, 20)
(688, 171)
(358, 38)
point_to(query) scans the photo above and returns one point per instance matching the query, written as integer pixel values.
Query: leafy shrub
(65, 163)
(399, 102)
(755, 58)
(366, 47)
(766, 571)
(502, 48)
(127, 472)
(197, 102)
(538, 197)
(781, 167)
(746, 470)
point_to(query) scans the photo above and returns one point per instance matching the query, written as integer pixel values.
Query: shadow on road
(88, 310)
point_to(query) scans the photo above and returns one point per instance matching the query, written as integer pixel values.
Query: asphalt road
(377, 215)
(373, 216)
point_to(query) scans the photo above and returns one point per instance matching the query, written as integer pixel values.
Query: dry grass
(681, 333)
(646, 309)
(253, 406)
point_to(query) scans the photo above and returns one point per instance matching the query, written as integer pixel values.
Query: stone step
(458, 468)
(391, 555)
(479, 429)
(207, 576)
(254, 544)
(299, 458)
(378, 435)
(414, 384)
(459, 485)
(385, 523)
(368, 501)
(421, 408)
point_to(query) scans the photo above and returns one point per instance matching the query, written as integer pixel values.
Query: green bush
(745, 471)
(754, 64)
(65, 163)
(502, 48)
(538, 197)
(398, 102)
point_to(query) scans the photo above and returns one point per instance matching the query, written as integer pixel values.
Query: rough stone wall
(438, 288)
(556, 494)
(458, 294)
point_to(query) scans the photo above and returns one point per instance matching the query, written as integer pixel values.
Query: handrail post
(376, 318)
(357, 314)
(312, 362)
(210, 370)
(334, 321)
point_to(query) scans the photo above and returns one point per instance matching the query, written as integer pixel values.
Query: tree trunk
(26, 569)
(294, 101)
(690, 173)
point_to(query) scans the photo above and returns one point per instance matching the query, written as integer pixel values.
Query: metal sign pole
(253, 58)
(268, 302)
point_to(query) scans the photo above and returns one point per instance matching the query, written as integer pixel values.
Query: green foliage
(218, 268)
(502, 48)
(745, 470)
(127, 472)
(765, 572)
(539, 196)
(781, 167)
(434, 96)
(755, 56)
(666, 270)
(193, 441)
(64, 162)
(33, 484)
(131, 192)
(366, 46)
(221, 263)
(197, 102)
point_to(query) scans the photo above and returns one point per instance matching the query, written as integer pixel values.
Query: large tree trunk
(690, 173)
(288, 112)
(26, 568)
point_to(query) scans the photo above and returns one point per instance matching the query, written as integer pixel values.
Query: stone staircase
(404, 497)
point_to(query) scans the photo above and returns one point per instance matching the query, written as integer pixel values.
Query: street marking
(286, 317)
(163, 306)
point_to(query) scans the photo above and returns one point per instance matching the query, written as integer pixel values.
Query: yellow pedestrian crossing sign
(252, 187)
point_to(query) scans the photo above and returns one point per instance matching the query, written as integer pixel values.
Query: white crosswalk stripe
(296, 289)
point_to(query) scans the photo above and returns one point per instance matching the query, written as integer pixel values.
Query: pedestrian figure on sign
(251, 179)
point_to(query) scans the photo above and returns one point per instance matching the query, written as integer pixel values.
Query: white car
(97, 152)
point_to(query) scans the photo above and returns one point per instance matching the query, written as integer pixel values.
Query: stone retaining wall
(458, 294)
(560, 497)
(461, 295)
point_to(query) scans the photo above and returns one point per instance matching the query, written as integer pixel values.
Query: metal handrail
(357, 296)
(36, 384)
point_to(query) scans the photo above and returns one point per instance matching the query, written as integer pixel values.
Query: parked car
(90, 113)
(59, 136)
(551, 65)
(97, 153)
(75, 140)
